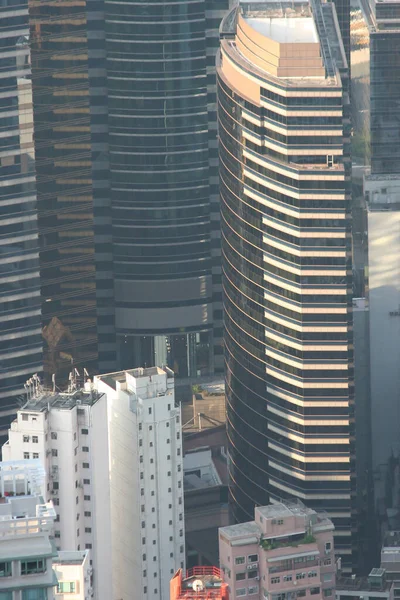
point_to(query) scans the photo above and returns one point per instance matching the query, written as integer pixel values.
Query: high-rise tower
(156, 205)
(284, 167)
(20, 320)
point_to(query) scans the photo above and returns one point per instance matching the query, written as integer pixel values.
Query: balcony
(274, 544)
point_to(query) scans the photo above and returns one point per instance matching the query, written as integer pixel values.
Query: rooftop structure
(288, 547)
(374, 587)
(74, 575)
(200, 583)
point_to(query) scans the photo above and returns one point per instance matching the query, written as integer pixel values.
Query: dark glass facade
(20, 320)
(156, 182)
(64, 185)
(385, 89)
(287, 281)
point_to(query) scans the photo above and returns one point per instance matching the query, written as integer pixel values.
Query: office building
(155, 170)
(58, 40)
(286, 552)
(139, 522)
(200, 583)
(26, 522)
(74, 575)
(287, 277)
(20, 320)
(129, 514)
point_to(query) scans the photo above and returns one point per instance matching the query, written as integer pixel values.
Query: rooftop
(73, 557)
(63, 400)
(375, 581)
(121, 377)
(391, 539)
(201, 582)
(292, 31)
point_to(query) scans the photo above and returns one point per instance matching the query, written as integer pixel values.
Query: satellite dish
(198, 585)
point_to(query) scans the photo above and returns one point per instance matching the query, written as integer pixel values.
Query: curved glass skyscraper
(20, 320)
(156, 202)
(284, 167)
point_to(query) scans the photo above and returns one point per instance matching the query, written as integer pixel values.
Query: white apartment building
(137, 484)
(74, 575)
(54, 428)
(113, 461)
(26, 522)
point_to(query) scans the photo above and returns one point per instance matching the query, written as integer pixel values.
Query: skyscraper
(64, 185)
(284, 128)
(156, 183)
(20, 320)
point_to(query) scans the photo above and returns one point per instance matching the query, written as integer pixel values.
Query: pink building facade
(286, 553)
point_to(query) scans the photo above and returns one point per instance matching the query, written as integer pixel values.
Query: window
(85, 465)
(88, 530)
(24, 417)
(26, 455)
(75, 436)
(168, 441)
(328, 592)
(169, 407)
(327, 561)
(143, 524)
(154, 558)
(170, 538)
(151, 444)
(178, 452)
(144, 573)
(252, 558)
(328, 546)
(35, 455)
(312, 574)
(300, 593)
(149, 411)
(84, 431)
(80, 411)
(166, 424)
(88, 546)
(142, 508)
(86, 481)
(287, 578)
(29, 567)
(56, 501)
(66, 587)
(54, 435)
(253, 589)
(85, 448)
(77, 533)
(143, 557)
(279, 522)
(240, 576)
(300, 576)
(241, 592)
(150, 427)
(252, 574)
(143, 540)
(145, 590)
(86, 497)
(25, 438)
(327, 577)
(239, 560)
(5, 569)
(78, 516)
(56, 485)
(54, 452)
(35, 439)
(314, 591)
(275, 580)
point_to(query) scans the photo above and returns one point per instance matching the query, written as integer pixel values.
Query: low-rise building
(74, 575)
(286, 553)
(374, 587)
(26, 523)
(200, 583)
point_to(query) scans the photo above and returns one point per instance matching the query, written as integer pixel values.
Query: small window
(327, 562)
(56, 501)
(252, 558)
(55, 485)
(252, 574)
(144, 573)
(253, 589)
(24, 417)
(145, 589)
(327, 577)
(241, 592)
(80, 411)
(140, 427)
(328, 592)
(54, 452)
(25, 438)
(86, 481)
(88, 530)
(287, 578)
(87, 513)
(57, 534)
(85, 448)
(86, 498)
(275, 580)
(30, 567)
(314, 591)
(88, 546)
(167, 424)
(239, 560)
(149, 411)
(240, 576)
(35, 455)
(300, 593)
(66, 587)
(328, 546)
(77, 533)
(300, 576)
(84, 431)
(26, 455)
(35, 439)
(169, 407)
(85, 465)
(5, 569)
(53, 435)
(312, 574)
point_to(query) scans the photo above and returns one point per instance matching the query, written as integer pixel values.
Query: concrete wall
(384, 310)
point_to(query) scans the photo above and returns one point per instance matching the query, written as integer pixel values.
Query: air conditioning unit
(253, 566)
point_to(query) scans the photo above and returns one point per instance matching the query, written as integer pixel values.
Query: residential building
(20, 320)
(113, 457)
(139, 532)
(286, 552)
(286, 243)
(373, 587)
(56, 429)
(200, 583)
(155, 171)
(58, 41)
(26, 523)
(74, 575)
